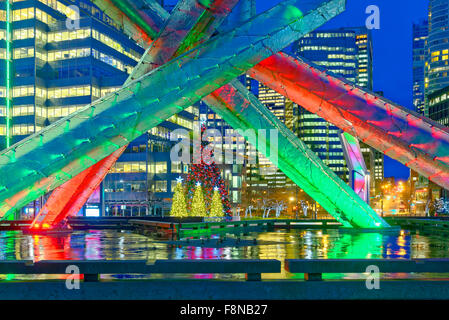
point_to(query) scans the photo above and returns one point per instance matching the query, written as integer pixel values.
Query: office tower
(438, 106)
(420, 33)
(51, 66)
(436, 79)
(54, 70)
(437, 64)
(345, 52)
(262, 176)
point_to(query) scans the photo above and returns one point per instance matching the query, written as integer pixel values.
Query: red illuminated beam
(167, 44)
(69, 198)
(352, 109)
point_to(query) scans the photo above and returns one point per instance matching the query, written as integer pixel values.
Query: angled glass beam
(69, 198)
(359, 178)
(57, 153)
(188, 15)
(255, 116)
(414, 140)
(134, 11)
(189, 25)
(153, 16)
(294, 158)
(221, 103)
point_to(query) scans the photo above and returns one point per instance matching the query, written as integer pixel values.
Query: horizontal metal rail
(253, 269)
(194, 229)
(14, 224)
(91, 269)
(314, 268)
(423, 223)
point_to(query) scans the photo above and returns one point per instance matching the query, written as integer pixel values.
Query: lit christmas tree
(179, 207)
(216, 208)
(209, 177)
(198, 205)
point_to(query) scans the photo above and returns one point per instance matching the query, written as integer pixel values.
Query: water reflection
(280, 244)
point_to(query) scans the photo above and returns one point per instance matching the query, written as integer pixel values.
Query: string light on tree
(179, 206)
(198, 204)
(216, 209)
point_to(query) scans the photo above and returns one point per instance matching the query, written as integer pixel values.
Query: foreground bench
(91, 269)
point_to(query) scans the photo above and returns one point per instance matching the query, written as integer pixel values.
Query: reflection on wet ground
(279, 244)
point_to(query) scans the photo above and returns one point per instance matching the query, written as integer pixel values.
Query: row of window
(49, 112)
(443, 58)
(65, 35)
(111, 61)
(336, 64)
(21, 34)
(57, 55)
(325, 48)
(19, 129)
(437, 53)
(439, 99)
(330, 35)
(29, 13)
(341, 56)
(21, 53)
(58, 6)
(67, 54)
(159, 167)
(50, 93)
(320, 139)
(65, 92)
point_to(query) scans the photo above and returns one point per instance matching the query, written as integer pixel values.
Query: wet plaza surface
(278, 244)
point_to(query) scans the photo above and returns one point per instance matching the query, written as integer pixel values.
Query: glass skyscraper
(437, 64)
(420, 34)
(345, 52)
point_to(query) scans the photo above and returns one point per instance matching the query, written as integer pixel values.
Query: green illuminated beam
(8, 73)
(137, 16)
(29, 169)
(296, 160)
(241, 109)
(68, 198)
(188, 26)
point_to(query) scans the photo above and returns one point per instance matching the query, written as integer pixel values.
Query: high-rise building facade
(345, 52)
(50, 68)
(437, 62)
(420, 34)
(263, 175)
